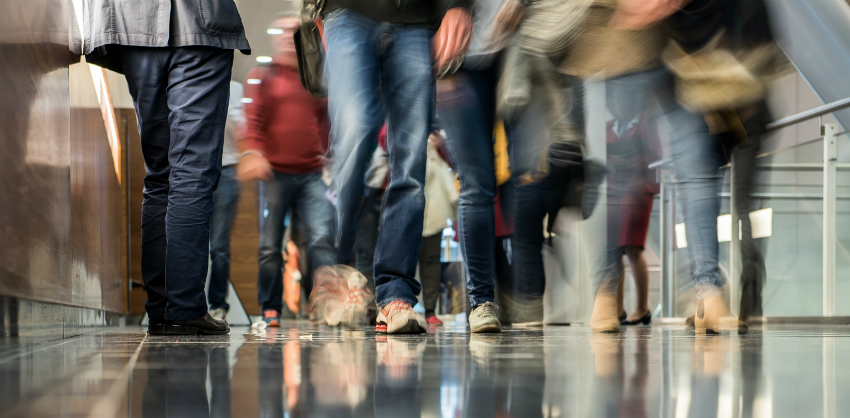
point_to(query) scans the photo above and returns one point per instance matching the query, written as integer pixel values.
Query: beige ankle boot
(604, 317)
(714, 316)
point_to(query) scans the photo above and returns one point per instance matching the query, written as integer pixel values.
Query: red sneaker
(432, 320)
(399, 318)
(271, 317)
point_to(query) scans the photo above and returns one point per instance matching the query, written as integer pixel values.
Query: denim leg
(317, 213)
(277, 196)
(697, 159)
(430, 270)
(368, 224)
(408, 88)
(185, 164)
(226, 199)
(529, 208)
(356, 113)
(467, 114)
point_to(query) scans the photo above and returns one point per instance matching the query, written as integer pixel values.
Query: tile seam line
(108, 405)
(44, 346)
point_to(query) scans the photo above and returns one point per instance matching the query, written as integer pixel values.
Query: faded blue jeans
(367, 62)
(697, 161)
(467, 113)
(306, 195)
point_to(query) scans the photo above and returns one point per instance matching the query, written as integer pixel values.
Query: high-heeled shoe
(644, 320)
(714, 316)
(604, 317)
(622, 317)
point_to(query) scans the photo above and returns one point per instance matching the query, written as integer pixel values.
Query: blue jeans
(180, 96)
(697, 159)
(368, 225)
(306, 194)
(368, 61)
(226, 197)
(467, 113)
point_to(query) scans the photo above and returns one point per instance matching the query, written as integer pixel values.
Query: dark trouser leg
(467, 114)
(277, 195)
(529, 209)
(180, 96)
(226, 201)
(429, 270)
(368, 224)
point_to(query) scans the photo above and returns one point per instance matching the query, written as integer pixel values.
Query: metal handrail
(785, 122)
(809, 114)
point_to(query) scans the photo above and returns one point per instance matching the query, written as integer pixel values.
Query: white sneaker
(218, 313)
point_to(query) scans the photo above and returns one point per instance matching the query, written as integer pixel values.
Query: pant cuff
(184, 314)
(389, 300)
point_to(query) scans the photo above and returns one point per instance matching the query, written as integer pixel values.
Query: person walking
(466, 104)
(285, 146)
(226, 198)
(177, 57)
(381, 51)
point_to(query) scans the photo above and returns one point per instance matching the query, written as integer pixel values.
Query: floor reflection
(305, 370)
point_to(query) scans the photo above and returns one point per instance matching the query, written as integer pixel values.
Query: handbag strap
(312, 10)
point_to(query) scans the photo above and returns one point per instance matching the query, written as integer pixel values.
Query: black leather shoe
(645, 320)
(157, 326)
(622, 317)
(205, 325)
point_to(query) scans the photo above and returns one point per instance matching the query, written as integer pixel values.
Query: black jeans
(180, 95)
(226, 200)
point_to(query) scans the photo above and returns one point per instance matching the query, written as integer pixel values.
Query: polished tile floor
(309, 370)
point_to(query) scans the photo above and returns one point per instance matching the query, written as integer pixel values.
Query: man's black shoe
(157, 326)
(205, 325)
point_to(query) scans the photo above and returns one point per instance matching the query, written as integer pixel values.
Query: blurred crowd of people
(420, 93)
(372, 167)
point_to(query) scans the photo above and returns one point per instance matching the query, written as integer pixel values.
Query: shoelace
(488, 308)
(357, 297)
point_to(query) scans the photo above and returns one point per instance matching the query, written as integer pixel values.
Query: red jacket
(285, 122)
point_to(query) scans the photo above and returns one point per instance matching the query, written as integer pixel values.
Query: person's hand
(509, 16)
(254, 166)
(453, 36)
(640, 14)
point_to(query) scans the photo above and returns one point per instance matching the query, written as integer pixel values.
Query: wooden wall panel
(95, 201)
(35, 212)
(59, 194)
(245, 247)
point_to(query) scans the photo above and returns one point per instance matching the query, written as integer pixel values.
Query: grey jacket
(160, 23)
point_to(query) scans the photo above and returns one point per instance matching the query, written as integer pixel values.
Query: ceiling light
(274, 31)
(253, 81)
(264, 59)
(246, 100)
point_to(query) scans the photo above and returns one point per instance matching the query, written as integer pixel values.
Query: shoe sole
(381, 328)
(707, 331)
(411, 327)
(487, 328)
(273, 324)
(186, 330)
(156, 329)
